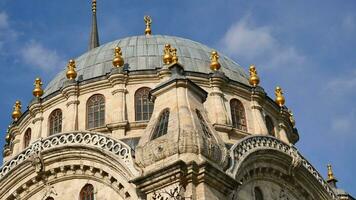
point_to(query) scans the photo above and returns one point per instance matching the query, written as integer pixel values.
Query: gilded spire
(38, 91)
(174, 55)
(330, 173)
(214, 58)
(167, 55)
(94, 35)
(118, 61)
(331, 178)
(279, 96)
(254, 79)
(148, 21)
(71, 73)
(16, 114)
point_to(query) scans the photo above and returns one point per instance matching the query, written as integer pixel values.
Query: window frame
(91, 102)
(238, 115)
(142, 92)
(59, 122)
(81, 195)
(161, 124)
(270, 124)
(27, 138)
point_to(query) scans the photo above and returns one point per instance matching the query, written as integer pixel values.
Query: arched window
(87, 192)
(143, 106)
(27, 138)
(96, 111)
(55, 122)
(162, 124)
(258, 193)
(270, 125)
(204, 125)
(49, 198)
(238, 115)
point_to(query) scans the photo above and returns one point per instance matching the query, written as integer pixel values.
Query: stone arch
(256, 153)
(75, 155)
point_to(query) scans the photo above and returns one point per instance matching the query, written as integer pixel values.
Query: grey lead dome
(144, 53)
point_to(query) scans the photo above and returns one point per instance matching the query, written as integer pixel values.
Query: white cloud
(3, 20)
(38, 56)
(342, 124)
(349, 23)
(341, 85)
(258, 44)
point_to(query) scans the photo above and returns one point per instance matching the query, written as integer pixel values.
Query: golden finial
(71, 73)
(148, 21)
(174, 55)
(38, 91)
(279, 96)
(254, 79)
(167, 57)
(118, 61)
(214, 64)
(16, 114)
(330, 173)
(93, 6)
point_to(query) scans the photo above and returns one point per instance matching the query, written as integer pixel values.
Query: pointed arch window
(270, 125)
(258, 193)
(27, 138)
(203, 125)
(143, 106)
(162, 124)
(55, 122)
(238, 115)
(96, 111)
(87, 192)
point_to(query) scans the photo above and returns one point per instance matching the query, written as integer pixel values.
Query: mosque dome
(145, 115)
(145, 53)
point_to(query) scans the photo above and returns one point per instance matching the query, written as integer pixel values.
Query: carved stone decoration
(176, 192)
(49, 191)
(296, 160)
(96, 140)
(37, 161)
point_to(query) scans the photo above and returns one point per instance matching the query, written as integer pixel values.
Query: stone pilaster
(283, 123)
(257, 97)
(36, 113)
(117, 118)
(218, 114)
(70, 91)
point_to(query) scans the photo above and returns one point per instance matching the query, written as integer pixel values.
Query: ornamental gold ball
(71, 73)
(118, 60)
(254, 79)
(167, 57)
(280, 100)
(16, 114)
(214, 64)
(37, 91)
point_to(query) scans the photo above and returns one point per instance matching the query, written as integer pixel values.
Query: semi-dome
(145, 53)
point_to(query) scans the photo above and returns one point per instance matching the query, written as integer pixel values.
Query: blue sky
(307, 47)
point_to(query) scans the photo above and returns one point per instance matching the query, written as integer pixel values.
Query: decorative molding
(241, 150)
(37, 119)
(122, 90)
(104, 143)
(77, 102)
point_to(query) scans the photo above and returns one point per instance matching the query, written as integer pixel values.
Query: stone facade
(202, 155)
